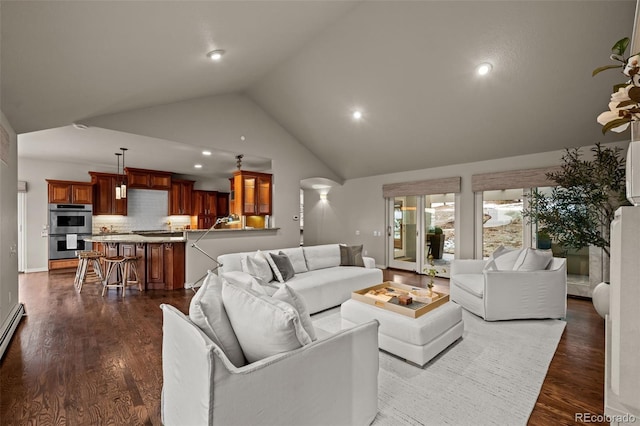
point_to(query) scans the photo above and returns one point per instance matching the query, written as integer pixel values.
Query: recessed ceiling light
(357, 115)
(484, 69)
(198, 166)
(206, 152)
(215, 55)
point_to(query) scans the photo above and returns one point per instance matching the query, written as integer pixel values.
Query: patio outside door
(403, 247)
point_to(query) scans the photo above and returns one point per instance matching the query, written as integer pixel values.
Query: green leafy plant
(431, 271)
(624, 106)
(580, 209)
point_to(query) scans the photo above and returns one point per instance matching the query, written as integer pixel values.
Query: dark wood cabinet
(104, 195)
(165, 266)
(63, 191)
(252, 193)
(204, 203)
(148, 179)
(180, 197)
(173, 266)
(155, 266)
(208, 206)
(222, 204)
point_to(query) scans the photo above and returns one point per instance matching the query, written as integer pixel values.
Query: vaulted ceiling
(408, 65)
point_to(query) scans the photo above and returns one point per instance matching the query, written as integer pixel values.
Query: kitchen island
(161, 256)
(167, 259)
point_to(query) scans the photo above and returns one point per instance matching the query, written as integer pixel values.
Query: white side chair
(506, 295)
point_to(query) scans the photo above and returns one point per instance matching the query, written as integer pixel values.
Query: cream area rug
(492, 376)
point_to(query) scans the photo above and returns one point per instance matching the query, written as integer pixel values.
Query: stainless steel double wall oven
(69, 224)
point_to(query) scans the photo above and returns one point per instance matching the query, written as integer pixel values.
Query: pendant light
(118, 191)
(123, 184)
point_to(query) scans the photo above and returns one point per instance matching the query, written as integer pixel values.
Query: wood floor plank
(83, 359)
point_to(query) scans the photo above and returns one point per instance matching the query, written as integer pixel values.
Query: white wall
(8, 228)
(34, 172)
(218, 122)
(358, 205)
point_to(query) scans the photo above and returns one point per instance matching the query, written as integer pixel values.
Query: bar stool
(124, 267)
(113, 265)
(131, 268)
(83, 274)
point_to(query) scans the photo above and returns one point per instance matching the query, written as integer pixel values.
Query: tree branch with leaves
(579, 211)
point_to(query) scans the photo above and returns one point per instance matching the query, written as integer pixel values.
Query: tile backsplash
(146, 210)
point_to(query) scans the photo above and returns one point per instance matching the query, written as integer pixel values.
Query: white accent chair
(505, 295)
(332, 381)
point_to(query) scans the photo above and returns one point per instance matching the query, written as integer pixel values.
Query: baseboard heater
(9, 327)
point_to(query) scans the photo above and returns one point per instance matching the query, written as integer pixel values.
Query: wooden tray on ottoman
(414, 310)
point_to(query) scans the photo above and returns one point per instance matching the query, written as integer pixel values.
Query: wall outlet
(44, 234)
(357, 232)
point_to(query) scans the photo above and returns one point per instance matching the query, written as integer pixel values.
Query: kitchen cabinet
(205, 207)
(70, 192)
(180, 197)
(165, 266)
(204, 203)
(222, 204)
(147, 179)
(104, 194)
(252, 193)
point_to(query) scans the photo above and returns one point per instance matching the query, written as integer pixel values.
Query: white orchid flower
(608, 116)
(632, 62)
(617, 97)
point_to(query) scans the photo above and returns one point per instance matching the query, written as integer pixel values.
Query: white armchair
(505, 295)
(333, 380)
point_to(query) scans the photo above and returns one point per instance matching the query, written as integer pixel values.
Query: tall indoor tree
(580, 208)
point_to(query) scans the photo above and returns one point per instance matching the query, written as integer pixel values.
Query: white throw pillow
(320, 257)
(490, 266)
(533, 260)
(506, 258)
(245, 280)
(207, 312)
(264, 326)
(258, 266)
(296, 256)
(289, 295)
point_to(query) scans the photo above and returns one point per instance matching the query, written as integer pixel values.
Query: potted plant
(431, 271)
(580, 208)
(543, 239)
(436, 241)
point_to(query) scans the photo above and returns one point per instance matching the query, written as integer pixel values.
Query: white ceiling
(95, 148)
(408, 64)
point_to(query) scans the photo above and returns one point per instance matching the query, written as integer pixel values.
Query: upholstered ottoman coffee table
(417, 340)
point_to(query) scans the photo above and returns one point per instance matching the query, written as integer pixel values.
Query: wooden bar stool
(126, 271)
(131, 271)
(88, 259)
(113, 265)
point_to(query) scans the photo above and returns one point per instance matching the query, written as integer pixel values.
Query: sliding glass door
(402, 236)
(419, 227)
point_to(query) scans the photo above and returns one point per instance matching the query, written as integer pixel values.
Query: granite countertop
(136, 238)
(161, 236)
(232, 230)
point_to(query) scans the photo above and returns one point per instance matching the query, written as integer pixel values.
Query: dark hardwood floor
(81, 359)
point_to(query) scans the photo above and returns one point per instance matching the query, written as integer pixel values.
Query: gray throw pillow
(351, 255)
(284, 268)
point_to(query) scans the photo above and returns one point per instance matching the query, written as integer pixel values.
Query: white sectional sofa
(319, 278)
